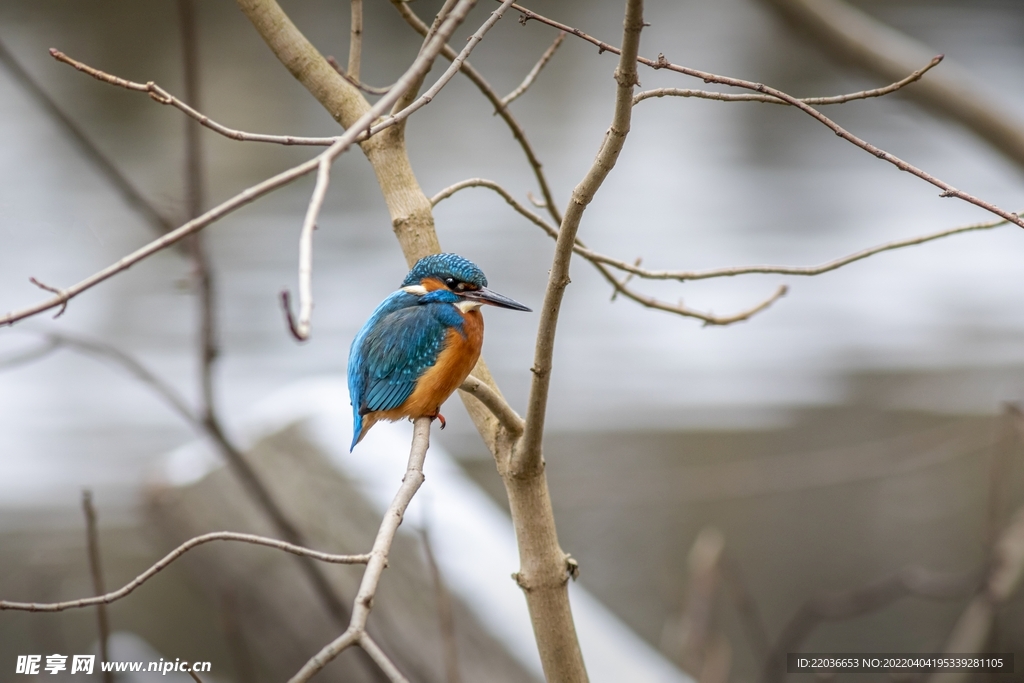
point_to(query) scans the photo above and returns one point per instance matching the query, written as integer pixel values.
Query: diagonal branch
(506, 115)
(535, 71)
(600, 262)
(375, 565)
(662, 63)
(684, 275)
(834, 99)
(528, 454)
(174, 555)
(160, 95)
(494, 401)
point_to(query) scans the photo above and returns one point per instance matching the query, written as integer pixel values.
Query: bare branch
(164, 97)
(160, 95)
(174, 555)
(835, 99)
(377, 562)
(496, 403)
(58, 292)
(369, 89)
(382, 660)
(683, 275)
(96, 570)
(301, 330)
(355, 45)
(241, 199)
(532, 75)
(528, 454)
(506, 195)
(854, 36)
(195, 676)
(506, 115)
(662, 63)
(600, 262)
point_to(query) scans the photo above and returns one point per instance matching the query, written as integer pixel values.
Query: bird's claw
(440, 417)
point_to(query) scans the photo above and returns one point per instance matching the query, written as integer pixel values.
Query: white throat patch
(418, 290)
(467, 305)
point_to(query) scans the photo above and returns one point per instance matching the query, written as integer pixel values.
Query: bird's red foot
(440, 417)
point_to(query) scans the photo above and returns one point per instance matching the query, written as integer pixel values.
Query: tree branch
(375, 565)
(835, 99)
(174, 555)
(355, 45)
(599, 261)
(662, 63)
(528, 454)
(160, 95)
(494, 401)
(851, 34)
(500, 109)
(532, 75)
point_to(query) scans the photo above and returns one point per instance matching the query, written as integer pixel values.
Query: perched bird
(421, 343)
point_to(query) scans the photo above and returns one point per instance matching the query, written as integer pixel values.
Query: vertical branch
(355, 45)
(528, 456)
(96, 569)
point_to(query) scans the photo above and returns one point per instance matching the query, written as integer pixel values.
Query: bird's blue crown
(443, 266)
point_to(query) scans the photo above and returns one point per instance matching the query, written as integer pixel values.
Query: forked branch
(377, 561)
(817, 101)
(662, 63)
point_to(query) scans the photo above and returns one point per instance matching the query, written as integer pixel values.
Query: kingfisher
(421, 343)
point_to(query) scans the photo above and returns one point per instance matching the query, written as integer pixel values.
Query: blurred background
(855, 429)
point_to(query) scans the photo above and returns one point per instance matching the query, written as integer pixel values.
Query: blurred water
(700, 184)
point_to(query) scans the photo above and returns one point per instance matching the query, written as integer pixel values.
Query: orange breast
(454, 363)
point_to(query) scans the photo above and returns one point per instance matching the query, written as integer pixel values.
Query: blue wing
(398, 343)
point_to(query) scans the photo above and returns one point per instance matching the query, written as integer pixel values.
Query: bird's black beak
(486, 296)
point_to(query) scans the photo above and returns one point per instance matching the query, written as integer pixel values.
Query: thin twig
(160, 95)
(128, 191)
(504, 112)
(684, 275)
(834, 99)
(494, 402)
(58, 292)
(301, 329)
(601, 263)
(528, 455)
(195, 676)
(662, 63)
(369, 89)
(96, 570)
(532, 75)
(377, 562)
(174, 555)
(856, 37)
(355, 44)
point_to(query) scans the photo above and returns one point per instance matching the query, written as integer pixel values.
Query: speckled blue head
(443, 266)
